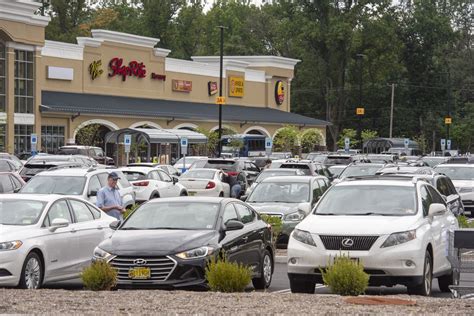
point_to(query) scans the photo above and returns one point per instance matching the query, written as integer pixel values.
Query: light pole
(360, 58)
(221, 62)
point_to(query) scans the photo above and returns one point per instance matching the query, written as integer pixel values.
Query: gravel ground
(153, 302)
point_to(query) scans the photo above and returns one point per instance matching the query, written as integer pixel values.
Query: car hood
(463, 183)
(15, 232)
(157, 242)
(358, 225)
(271, 208)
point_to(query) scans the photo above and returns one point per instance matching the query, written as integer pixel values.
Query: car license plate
(191, 193)
(139, 273)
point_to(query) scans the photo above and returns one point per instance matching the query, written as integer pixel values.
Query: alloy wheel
(267, 269)
(32, 273)
(428, 278)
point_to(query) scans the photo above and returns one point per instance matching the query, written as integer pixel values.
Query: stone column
(10, 108)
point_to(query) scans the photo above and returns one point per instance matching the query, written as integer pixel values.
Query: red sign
(134, 69)
(212, 87)
(182, 85)
(279, 92)
(155, 76)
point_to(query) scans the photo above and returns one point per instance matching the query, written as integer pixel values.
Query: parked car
(169, 169)
(10, 182)
(396, 227)
(47, 238)
(290, 198)
(95, 153)
(184, 163)
(433, 161)
(232, 167)
(461, 160)
(81, 182)
(150, 183)
(338, 159)
(462, 176)
(206, 182)
(308, 168)
(359, 169)
(7, 165)
(14, 159)
(407, 169)
(281, 155)
(317, 157)
(167, 243)
(336, 170)
(267, 173)
(31, 169)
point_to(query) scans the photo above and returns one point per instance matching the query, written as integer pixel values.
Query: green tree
(66, 18)
(367, 134)
(89, 135)
(286, 139)
(351, 134)
(311, 139)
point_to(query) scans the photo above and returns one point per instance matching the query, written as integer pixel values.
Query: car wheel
(32, 272)
(221, 194)
(183, 193)
(154, 196)
(446, 280)
(424, 289)
(265, 279)
(302, 286)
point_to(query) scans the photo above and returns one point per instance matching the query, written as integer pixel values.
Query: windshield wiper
(366, 214)
(170, 228)
(131, 228)
(326, 214)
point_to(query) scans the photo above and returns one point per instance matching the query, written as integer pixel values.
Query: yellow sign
(220, 100)
(448, 120)
(360, 111)
(236, 86)
(95, 69)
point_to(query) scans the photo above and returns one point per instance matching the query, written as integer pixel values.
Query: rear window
(123, 179)
(338, 160)
(199, 174)
(304, 168)
(134, 175)
(227, 165)
(32, 169)
(69, 151)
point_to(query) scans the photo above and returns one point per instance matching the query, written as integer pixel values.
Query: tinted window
(153, 175)
(55, 185)
(229, 214)
(103, 178)
(317, 192)
(123, 180)
(323, 185)
(425, 200)
(5, 183)
(246, 215)
(134, 176)
(443, 186)
(435, 197)
(59, 210)
(94, 184)
(81, 211)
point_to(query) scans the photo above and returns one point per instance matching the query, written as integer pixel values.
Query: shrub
(346, 277)
(275, 223)
(99, 276)
(228, 277)
(130, 211)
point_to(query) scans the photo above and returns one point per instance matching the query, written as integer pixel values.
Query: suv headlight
(399, 238)
(303, 236)
(101, 254)
(10, 245)
(197, 253)
(295, 216)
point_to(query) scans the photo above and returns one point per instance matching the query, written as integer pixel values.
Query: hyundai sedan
(167, 243)
(46, 238)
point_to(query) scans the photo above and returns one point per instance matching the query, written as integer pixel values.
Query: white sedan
(205, 182)
(47, 238)
(150, 183)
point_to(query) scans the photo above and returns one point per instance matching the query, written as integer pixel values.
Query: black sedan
(166, 243)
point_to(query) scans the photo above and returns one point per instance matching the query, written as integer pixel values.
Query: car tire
(32, 272)
(183, 193)
(302, 286)
(424, 289)
(154, 195)
(448, 279)
(221, 194)
(266, 272)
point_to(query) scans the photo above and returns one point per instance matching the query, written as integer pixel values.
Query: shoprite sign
(182, 85)
(133, 69)
(236, 86)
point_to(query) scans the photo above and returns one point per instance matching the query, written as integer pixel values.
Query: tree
(367, 134)
(348, 133)
(89, 135)
(66, 17)
(286, 139)
(311, 139)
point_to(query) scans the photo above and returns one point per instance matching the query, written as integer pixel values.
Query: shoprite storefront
(121, 80)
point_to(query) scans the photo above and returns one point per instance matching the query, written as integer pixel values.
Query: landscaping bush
(275, 222)
(464, 222)
(346, 277)
(99, 276)
(130, 211)
(228, 277)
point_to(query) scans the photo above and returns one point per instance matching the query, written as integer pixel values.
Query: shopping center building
(119, 80)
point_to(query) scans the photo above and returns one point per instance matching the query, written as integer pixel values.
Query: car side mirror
(305, 207)
(92, 193)
(58, 223)
(233, 225)
(115, 225)
(175, 180)
(436, 209)
(243, 198)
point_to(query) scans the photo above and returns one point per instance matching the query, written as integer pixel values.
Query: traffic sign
(448, 120)
(360, 111)
(406, 142)
(443, 144)
(448, 144)
(127, 140)
(220, 100)
(184, 145)
(268, 143)
(347, 142)
(34, 139)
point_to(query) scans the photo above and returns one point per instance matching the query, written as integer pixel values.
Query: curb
(280, 259)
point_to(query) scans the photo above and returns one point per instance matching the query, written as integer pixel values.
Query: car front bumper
(11, 264)
(400, 264)
(467, 199)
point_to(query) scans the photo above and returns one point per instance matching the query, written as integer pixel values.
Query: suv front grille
(360, 243)
(161, 267)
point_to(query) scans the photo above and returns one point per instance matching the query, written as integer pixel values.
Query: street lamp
(360, 58)
(219, 144)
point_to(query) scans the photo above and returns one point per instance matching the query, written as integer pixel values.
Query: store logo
(95, 69)
(347, 243)
(212, 87)
(134, 69)
(279, 92)
(139, 262)
(236, 87)
(182, 85)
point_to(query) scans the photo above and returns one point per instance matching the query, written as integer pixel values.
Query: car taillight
(141, 183)
(232, 173)
(210, 185)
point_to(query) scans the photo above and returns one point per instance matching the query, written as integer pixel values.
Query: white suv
(397, 228)
(79, 181)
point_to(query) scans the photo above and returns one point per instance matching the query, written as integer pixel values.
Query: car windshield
(357, 171)
(134, 175)
(275, 173)
(433, 162)
(68, 185)
(285, 192)
(336, 171)
(174, 215)
(368, 200)
(199, 174)
(316, 157)
(20, 212)
(336, 160)
(457, 173)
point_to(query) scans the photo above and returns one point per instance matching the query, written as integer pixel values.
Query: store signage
(220, 100)
(279, 92)
(236, 86)
(134, 69)
(212, 88)
(448, 120)
(155, 76)
(360, 111)
(182, 85)
(95, 69)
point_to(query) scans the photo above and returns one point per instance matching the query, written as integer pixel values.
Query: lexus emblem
(139, 262)
(347, 243)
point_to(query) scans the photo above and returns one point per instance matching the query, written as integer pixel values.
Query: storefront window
(3, 80)
(52, 137)
(22, 138)
(3, 128)
(24, 81)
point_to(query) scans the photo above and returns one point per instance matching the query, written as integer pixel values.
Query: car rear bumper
(197, 192)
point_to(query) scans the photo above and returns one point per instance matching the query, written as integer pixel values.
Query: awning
(156, 136)
(64, 102)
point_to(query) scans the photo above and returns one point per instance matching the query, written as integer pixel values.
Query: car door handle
(100, 227)
(73, 230)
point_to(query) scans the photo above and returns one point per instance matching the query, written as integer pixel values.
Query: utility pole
(360, 57)
(219, 144)
(391, 110)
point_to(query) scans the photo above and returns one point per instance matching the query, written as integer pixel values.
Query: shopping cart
(461, 257)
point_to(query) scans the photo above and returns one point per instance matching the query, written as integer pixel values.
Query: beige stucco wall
(22, 33)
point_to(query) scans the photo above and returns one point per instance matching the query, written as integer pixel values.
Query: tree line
(351, 52)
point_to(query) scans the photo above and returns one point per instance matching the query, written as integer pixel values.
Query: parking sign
(448, 144)
(34, 139)
(127, 140)
(347, 143)
(443, 144)
(406, 142)
(268, 143)
(184, 145)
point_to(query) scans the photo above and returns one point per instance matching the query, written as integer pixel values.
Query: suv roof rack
(414, 178)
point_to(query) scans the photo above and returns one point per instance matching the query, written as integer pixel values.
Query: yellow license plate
(190, 193)
(140, 273)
